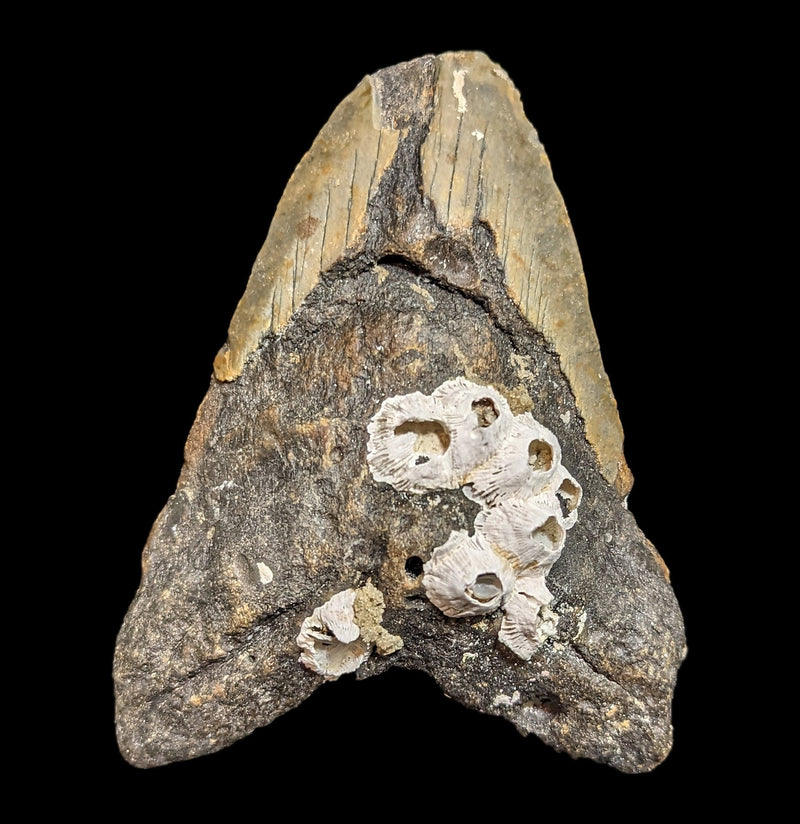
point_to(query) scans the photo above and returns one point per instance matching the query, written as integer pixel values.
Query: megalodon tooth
(420, 263)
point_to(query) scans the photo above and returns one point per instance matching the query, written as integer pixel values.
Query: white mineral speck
(581, 624)
(503, 700)
(458, 89)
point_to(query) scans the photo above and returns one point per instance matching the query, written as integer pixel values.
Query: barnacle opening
(485, 588)
(540, 455)
(486, 411)
(549, 535)
(569, 494)
(323, 637)
(330, 657)
(432, 437)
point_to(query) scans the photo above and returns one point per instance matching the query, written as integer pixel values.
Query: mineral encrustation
(420, 240)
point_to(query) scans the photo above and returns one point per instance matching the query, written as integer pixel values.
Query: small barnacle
(525, 461)
(527, 530)
(330, 638)
(519, 625)
(466, 577)
(479, 419)
(532, 584)
(522, 629)
(409, 444)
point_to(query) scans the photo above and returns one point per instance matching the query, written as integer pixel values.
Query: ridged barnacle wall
(340, 635)
(465, 435)
(330, 638)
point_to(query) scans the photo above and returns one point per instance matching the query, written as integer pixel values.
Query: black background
(184, 134)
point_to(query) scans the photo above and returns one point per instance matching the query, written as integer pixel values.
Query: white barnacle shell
(525, 462)
(527, 529)
(478, 418)
(465, 435)
(466, 577)
(532, 584)
(522, 629)
(330, 640)
(409, 444)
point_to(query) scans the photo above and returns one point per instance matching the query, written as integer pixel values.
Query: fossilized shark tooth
(421, 243)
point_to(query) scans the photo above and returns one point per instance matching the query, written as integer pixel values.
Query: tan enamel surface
(483, 160)
(322, 213)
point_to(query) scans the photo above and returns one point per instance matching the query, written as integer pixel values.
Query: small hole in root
(414, 566)
(551, 704)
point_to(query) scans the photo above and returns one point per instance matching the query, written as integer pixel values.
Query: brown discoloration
(368, 608)
(243, 616)
(658, 559)
(307, 227)
(623, 483)
(519, 399)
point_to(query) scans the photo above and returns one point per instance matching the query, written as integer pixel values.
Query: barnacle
(525, 462)
(409, 444)
(522, 628)
(465, 577)
(329, 638)
(527, 530)
(340, 635)
(465, 435)
(478, 419)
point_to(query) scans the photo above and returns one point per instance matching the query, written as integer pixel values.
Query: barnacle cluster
(465, 435)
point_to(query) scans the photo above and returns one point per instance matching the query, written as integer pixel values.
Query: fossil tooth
(421, 256)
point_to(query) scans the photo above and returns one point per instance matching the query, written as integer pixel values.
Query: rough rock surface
(421, 238)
